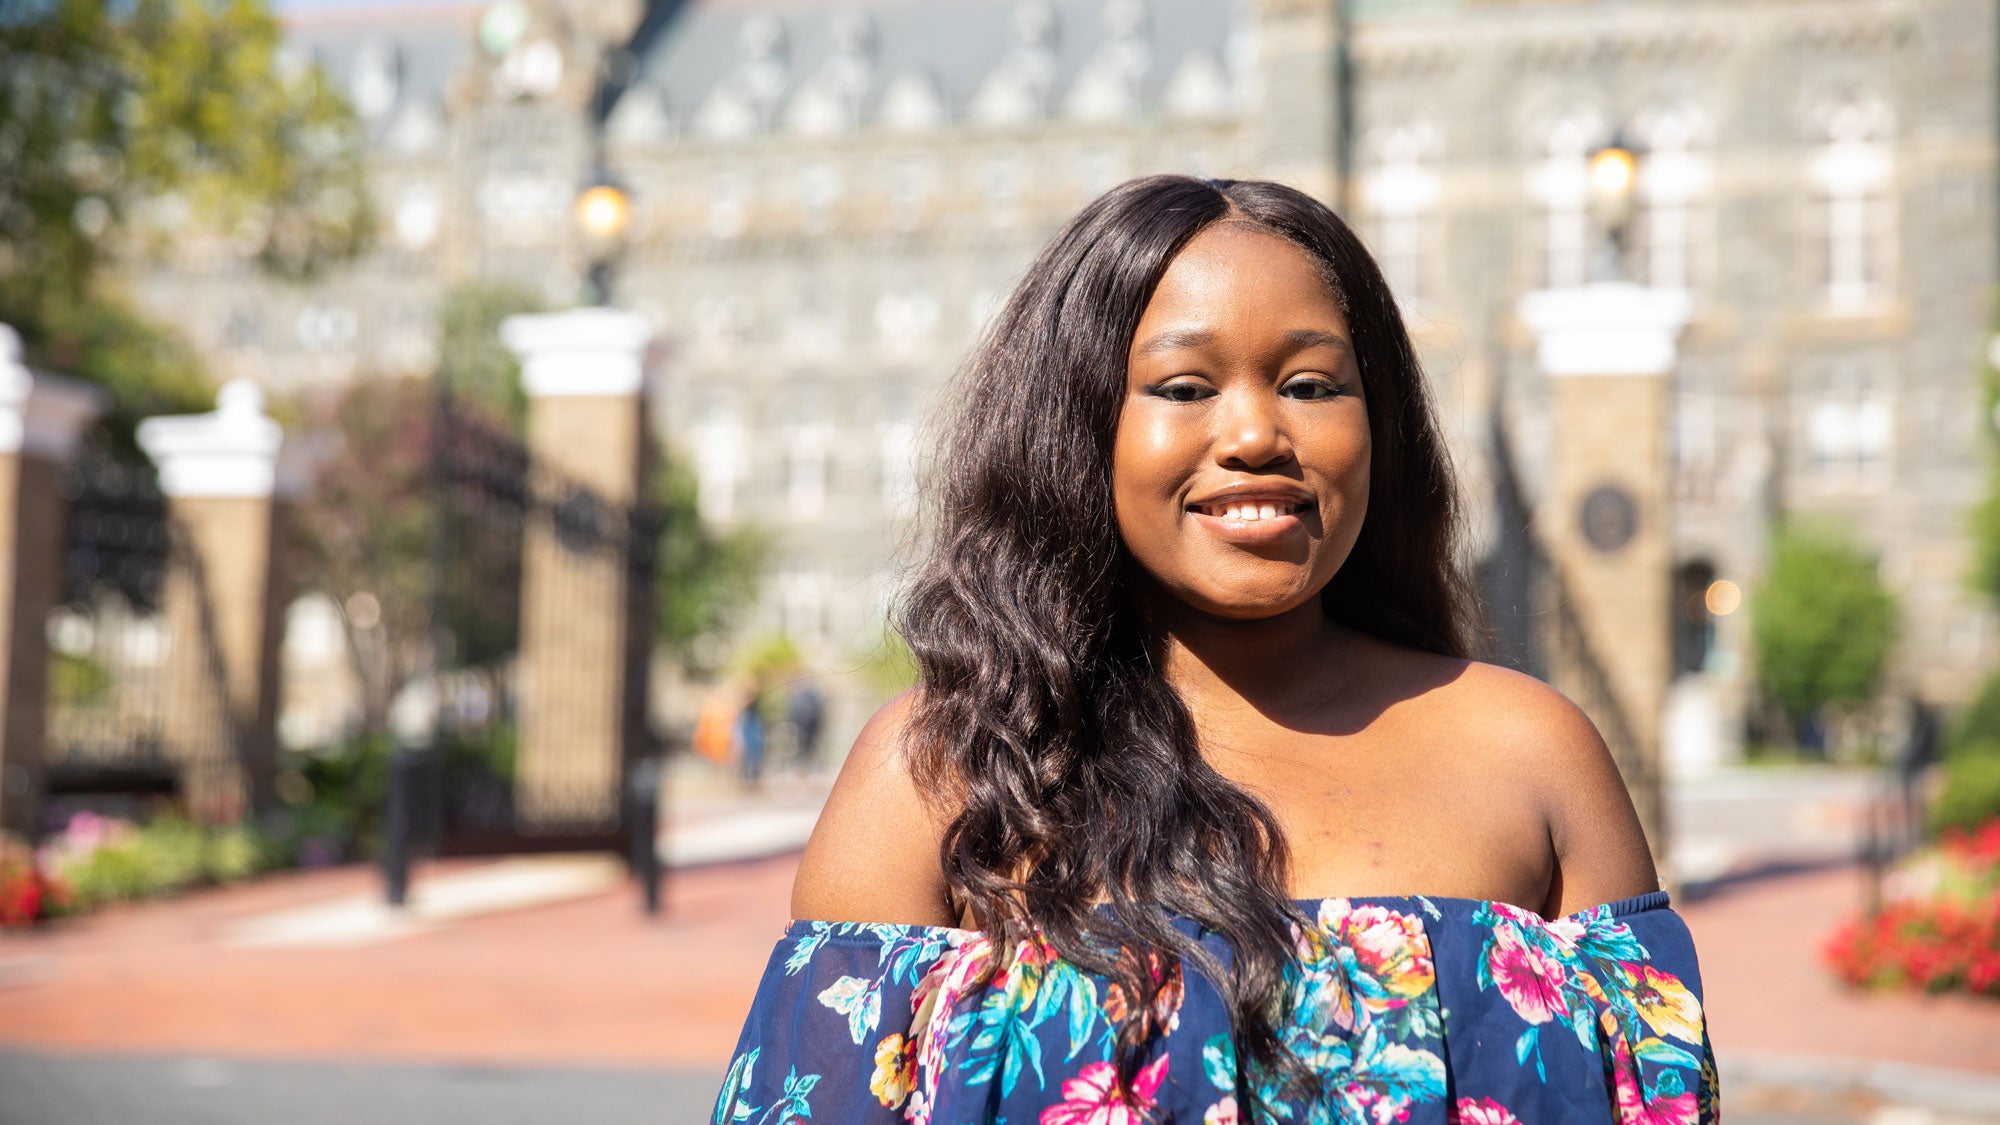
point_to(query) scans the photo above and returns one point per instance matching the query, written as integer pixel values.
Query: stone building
(830, 197)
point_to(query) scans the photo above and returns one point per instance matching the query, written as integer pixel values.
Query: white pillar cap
(1609, 328)
(230, 451)
(591, 351)
(41, 414)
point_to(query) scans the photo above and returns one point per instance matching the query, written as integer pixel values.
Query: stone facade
(830, 198)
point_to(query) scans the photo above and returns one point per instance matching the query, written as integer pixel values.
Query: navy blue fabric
(1408, 1009)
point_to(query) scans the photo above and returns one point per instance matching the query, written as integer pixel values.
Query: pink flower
(1222, 1112)
(1530, 979)
(1092, 1097)
(1481, 1111)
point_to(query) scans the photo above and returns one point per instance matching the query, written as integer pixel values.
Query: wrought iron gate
(455, 786)
(137, 699)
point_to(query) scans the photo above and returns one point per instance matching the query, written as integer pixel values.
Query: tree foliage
(184, 115)
(1822, 622)
(126, 128)
(704, 576)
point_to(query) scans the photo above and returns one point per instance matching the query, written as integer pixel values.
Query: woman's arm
(873, 856)
(1600, 848)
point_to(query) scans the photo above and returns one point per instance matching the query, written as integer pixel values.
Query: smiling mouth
(1251, 511)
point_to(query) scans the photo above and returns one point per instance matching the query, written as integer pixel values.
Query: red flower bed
(26, 891)
(1945, 939)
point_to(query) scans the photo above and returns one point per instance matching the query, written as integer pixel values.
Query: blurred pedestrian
(749, 739)
(805, 713)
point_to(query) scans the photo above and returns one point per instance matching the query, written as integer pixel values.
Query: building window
(1850, 431)
(898, 455)
(1559, 184)
(1675, 178)
(808, 448)
(720, 454)
(803, 603)
(728, 205)
(325, 328)
(1401, 190)
(819, 194)
(1852, 230)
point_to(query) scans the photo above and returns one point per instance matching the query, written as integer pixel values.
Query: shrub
(1821, 623)
(1971, 795)
(1944, 938)
(27, 892)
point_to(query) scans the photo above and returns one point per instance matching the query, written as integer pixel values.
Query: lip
(1252, 532)
(1272, 491)
(1260, 531)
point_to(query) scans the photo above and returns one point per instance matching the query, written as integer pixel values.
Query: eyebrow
(1298, 339)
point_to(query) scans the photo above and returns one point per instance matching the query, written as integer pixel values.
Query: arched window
(1400, 189)
(1676, 177)
(1559, 184)
(1852, 225)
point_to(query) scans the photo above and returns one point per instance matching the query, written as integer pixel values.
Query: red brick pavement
(586, 982)
(593, 982)
(1768, 991)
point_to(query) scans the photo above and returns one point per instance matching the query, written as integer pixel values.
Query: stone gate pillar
(224, 479)
(40, 419)
(1607, 351)
(583, 636)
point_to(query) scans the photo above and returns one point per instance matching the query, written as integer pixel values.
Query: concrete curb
(1904, 1084)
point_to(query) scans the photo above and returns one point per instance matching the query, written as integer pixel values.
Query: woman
(1200, 811)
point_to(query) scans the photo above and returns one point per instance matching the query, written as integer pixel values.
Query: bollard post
(643, 815)
(397, 807)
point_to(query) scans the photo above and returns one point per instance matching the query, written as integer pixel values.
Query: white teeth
(1232, 512)
(1267, 511)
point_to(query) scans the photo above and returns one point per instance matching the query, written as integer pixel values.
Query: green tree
(481, 368)
(129, 127)
(704, 577)
(1821, 623)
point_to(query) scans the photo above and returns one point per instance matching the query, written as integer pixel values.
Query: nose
(1250, 430)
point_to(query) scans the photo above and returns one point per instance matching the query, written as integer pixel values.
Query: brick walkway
(1768, 992)
(593, 982)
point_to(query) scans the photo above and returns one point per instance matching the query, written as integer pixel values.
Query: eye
(1311, 388)
(1185, 391)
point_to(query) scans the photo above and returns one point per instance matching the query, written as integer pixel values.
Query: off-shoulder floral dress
(1410, 1009)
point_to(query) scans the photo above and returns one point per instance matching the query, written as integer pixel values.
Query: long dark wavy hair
(1069, 768)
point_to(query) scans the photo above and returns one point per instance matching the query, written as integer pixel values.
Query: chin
(1242, 604)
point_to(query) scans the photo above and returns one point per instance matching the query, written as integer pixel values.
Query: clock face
(1609, 517)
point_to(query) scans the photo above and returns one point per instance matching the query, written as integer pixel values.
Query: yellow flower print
(1666, 1005)
(895, 1071)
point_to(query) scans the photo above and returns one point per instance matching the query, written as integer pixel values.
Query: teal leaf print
(1218, 1061)
(728, 1105)
(857, 998)
(1664, 1053)
(802, 953)
(1531, 1041)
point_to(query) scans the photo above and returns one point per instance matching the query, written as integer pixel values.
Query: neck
(1272, 663)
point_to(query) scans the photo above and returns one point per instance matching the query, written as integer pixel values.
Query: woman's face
(1240, 469)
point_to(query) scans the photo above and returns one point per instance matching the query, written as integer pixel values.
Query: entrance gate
(517, 546)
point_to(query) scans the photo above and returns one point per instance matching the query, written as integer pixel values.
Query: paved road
(37, 1089)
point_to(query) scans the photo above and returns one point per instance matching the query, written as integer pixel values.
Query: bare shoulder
(1534, 732)
(873, 855)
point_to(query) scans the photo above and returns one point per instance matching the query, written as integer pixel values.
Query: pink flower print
(1480, 1111)
(1092, 1097)
(1531, 980)
(1222, 1112)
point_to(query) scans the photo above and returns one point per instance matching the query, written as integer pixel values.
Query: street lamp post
(1614, 177)
(603, 211)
